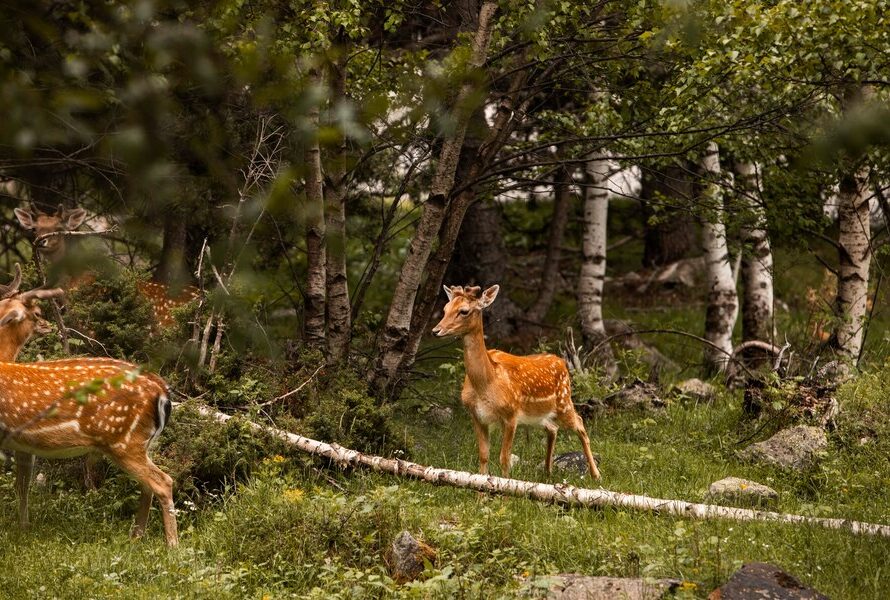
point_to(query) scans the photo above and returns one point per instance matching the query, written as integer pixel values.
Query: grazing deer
(68, 408)
(53, 249)
(507, 389)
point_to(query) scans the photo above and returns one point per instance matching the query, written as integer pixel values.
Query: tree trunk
(854, 249)
(593, 259)
(562, 203)
(723, 304)
(480, 258)
(544, 492)
(172, 269)
(339, 316)
(473, 162)
(393, 338)
(670, 232)
(757, 260)
(314, 300)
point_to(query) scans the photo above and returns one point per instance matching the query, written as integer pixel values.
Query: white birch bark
(723, 306)
(545, 492)
(854, 249)
(593, 253)
(314, 300)
(757, 260)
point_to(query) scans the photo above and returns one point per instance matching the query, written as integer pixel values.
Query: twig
(293, 391)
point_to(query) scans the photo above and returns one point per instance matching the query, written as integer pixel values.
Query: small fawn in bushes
(507, 389)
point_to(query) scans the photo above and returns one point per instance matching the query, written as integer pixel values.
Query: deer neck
(479, 367)
(10, 345)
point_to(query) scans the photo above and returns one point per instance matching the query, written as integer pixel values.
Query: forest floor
(298, 531)
(296, 528)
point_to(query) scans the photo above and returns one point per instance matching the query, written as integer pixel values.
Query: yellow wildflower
(294, 495)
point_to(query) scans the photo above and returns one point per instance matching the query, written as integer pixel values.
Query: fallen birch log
(557, 493)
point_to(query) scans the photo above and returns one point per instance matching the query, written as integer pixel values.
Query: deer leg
(585, 445)
(482, 442)
(142, 513)
(551, 442)
(24, 468)
(91, 477)
(159, 483)
(507, 446)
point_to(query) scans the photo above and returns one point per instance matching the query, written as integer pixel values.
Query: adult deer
(67, 408)
(507, 389)
(52, 248)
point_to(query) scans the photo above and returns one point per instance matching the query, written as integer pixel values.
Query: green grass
(267, 539)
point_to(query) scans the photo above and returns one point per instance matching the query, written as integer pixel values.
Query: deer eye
(464, 312)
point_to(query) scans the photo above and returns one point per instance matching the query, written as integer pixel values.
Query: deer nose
(437, 330)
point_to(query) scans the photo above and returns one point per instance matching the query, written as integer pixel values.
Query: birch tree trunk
(723, 306)
(314, 300)
(392, 339)
(338, 310)
(593, 258)
(562, 203)
(854, 250)
(757, 261)
(545, 492)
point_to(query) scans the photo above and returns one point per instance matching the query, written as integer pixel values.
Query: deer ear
(74, 218)
(489, 295)
(13, 316)
(25, 217)
(448, 292)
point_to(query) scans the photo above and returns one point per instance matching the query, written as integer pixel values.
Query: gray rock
(637, 395)
(574, 463)
(440, 415)
(405, 557)
(737, 489)
(795, 448)
(582, 587)
(761, 580)
(514, 460)
(698, 390)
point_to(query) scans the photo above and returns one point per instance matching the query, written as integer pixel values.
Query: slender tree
(393, 337)
(337, 306)
(593, 257)
(314, 300)
(562, 204)
(757, 259)
(722, 307)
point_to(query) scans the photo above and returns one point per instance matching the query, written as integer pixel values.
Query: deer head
(64, 219)
(463, 313)
(20, 315)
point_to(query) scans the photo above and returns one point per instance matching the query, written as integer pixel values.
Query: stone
(762, 580)
(440, 415)
(405, 557)
(636, 395)
(698, 390)
(514, 460)
(737, 489)
(796, 448)
(574, 463)
(583, 587)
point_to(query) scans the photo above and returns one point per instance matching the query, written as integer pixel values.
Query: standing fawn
(507, 389)
(53, 248)
(68, 408)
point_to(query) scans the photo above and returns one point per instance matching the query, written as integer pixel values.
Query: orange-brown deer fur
(507, 389)
(40, 415)
(53, 250)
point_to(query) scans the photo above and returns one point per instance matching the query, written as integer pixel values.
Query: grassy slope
(270, 539)
(294, 532)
